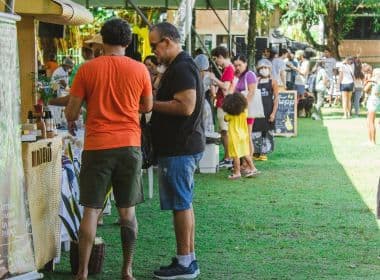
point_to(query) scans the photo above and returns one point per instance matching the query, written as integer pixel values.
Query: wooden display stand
(43, 172)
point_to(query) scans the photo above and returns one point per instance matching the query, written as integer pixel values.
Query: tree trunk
(332, 30)
(251, 47)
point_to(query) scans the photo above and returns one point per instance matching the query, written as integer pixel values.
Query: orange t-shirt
(112, 86)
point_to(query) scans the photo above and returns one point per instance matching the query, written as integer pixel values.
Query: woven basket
(95, 265)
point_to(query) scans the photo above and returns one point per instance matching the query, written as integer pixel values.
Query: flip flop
(252, 173)
(234, 176)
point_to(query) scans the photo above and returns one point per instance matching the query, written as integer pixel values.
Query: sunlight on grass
(360, 161)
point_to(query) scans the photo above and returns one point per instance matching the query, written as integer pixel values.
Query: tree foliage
(338, 14)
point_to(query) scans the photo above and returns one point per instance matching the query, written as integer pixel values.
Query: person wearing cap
(203, 65)
(263, 128)
(60, 76)
(115, 88)
(96, 44)
(59, 82)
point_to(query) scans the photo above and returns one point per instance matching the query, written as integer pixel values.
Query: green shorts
(119, 167)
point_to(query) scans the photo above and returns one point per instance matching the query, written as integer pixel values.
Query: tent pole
(9, 6)
(141, 14)
(229, 26)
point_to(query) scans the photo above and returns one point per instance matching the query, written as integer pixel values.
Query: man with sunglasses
(179, 142)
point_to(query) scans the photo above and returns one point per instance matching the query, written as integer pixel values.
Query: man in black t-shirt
(178, 141)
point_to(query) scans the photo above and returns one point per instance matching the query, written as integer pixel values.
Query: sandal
(252, 173)
(234, 176)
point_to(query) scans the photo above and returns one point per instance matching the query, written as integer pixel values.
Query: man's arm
(146, 104)
(72, 109)
(60, 101)
(183, 104)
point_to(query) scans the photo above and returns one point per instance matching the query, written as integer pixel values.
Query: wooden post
(26, 35)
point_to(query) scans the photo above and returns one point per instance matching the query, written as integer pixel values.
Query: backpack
(146, 143)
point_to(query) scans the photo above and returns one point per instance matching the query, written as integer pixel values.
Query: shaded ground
(308, 216)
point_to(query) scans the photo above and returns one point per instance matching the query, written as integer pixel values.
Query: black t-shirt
(179, 135)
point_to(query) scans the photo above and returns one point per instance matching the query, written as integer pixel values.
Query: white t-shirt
(348, 73)
(60, 74)
(278, 65)
(304, 67)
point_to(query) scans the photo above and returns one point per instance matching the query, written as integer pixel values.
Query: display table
(43, 172)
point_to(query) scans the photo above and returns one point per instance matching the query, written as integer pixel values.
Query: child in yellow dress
(235, 105)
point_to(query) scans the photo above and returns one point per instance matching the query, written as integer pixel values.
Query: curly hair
(116, 32)
(235, 104)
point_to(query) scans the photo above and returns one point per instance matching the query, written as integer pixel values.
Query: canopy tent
(55, 11)
(171, 4)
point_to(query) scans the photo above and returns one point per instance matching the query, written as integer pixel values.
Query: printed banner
(16, 254)
(182, 17)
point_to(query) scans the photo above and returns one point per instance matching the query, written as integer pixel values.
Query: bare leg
(250, 127)
(236, 166)
(184, 228)
(87, 232)
(192, 237)
(224, 136)
(344, 103)
(371, 127)
(250, 164)
(128, 234)
(348, 109)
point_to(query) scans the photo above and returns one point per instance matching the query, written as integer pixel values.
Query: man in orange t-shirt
(115, 88)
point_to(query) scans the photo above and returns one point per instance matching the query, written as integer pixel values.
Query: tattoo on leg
(128, 233)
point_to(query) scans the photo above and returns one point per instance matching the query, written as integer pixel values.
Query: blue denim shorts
(300, 89)
(176, 181)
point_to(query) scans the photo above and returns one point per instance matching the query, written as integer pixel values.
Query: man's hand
(72, 127)
(272, 117)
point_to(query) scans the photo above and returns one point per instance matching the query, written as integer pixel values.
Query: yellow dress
(238, 138)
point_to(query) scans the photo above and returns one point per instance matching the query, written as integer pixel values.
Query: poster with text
(286, 116)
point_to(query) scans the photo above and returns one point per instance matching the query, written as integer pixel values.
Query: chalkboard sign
(286, 116)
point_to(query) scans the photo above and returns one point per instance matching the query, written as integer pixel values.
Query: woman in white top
(373, 104)
(346, 81)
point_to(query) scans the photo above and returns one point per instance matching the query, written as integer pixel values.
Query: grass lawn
(309, 215)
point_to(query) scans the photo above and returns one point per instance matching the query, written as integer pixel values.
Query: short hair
(220, 51)
(152, 58)
(240, 57)
(116, 32)
(168, 30)
(234, 104)
(282, 52)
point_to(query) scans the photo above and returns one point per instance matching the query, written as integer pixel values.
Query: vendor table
(43, 172)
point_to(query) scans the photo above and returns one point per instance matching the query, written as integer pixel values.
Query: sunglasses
(153, 46)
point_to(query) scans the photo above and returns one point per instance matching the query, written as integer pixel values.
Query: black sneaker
(174, 263)
(177, 271)
(226, 163)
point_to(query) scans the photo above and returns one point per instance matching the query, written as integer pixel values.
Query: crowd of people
(320, 80)
(185, 99)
